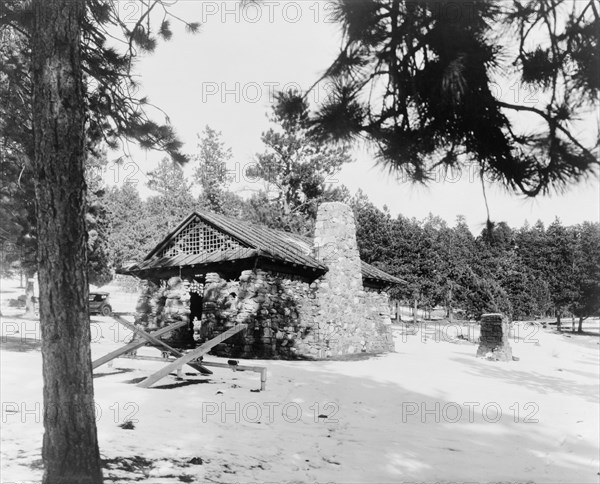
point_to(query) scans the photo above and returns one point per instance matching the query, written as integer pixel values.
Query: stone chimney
(346, 318)
(335, 245)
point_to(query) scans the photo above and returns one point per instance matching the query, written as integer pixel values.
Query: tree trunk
(29, 301)
(415, 311)
(70, 448)
(580, 325)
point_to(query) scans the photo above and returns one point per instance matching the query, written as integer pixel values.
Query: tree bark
(415, 306)
(580, 325)
(29, 301)
(70, 447)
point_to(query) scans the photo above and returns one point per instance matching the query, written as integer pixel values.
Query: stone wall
(160, 305)
(272, 305)
(284, 318)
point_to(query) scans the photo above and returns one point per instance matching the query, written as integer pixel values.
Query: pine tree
(296, 165)
(174, 201)
(419, 80)
(130, 233)
(58, 168)
(586, 272)
(211, 172)
(61, 78)
(560, 264)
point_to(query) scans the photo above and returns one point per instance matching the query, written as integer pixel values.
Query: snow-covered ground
(430, 412)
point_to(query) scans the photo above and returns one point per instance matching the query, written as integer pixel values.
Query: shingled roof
(207, 239)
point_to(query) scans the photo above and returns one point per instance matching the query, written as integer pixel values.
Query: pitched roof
(239, 240)
(368, 271)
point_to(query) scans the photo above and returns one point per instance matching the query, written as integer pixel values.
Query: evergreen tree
(131, 234)
(296, 165)
(586, 272)
(70, 447)
(17, 211)
(174, 201)
(416, 78)
(532, 249)
(211, 171)
(64, 80)
(560, 265)
(374, 232)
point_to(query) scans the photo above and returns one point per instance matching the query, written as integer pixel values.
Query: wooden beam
(257, 369)
(158, 342)
(135, 344)
(191, 355)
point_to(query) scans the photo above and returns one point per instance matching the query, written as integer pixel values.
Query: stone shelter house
(300, 298)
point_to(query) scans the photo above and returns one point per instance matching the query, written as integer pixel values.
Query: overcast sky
(226, 75)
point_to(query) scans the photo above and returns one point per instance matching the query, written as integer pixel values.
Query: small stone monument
(493, 340)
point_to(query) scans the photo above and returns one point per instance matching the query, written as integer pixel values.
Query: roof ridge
(274, 243)
(277, 245)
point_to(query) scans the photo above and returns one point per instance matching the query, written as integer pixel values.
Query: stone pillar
(493, 340)
(335, 245)
(339, 291)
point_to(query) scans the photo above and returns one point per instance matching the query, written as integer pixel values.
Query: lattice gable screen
(197, 238)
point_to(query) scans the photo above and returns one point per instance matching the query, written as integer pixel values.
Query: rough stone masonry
(352, 319)
(493, 340)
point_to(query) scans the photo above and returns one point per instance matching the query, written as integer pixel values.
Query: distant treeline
(526, 272)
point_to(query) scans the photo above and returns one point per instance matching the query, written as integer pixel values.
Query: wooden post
(263, 380)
